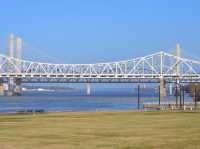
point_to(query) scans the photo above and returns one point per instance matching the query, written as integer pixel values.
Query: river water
(116, 99)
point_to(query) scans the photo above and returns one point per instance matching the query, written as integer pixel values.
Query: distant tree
(191, 89)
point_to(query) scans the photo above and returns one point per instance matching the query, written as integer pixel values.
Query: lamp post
(138, 96)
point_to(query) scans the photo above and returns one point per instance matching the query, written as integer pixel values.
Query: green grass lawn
(101, 130)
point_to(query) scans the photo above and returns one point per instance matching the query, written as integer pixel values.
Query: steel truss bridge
(151, 68)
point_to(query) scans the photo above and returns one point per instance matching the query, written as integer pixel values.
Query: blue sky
(88, 31)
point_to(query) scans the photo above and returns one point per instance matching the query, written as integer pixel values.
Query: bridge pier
(170, 89)
(88, 89)
(10, 87)
(18, 88)
(1, 87)
(10, 64)
(162, 89)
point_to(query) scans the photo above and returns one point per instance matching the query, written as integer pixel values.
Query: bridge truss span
(153, 67)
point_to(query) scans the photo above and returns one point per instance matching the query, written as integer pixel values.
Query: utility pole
(178, 70)
(162, 81)
(138, 96)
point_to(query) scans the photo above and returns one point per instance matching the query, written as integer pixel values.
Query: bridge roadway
(62, 78)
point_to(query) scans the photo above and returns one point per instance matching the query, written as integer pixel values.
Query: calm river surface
(77, 101)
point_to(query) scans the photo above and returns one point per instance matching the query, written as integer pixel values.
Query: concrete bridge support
(88, 89)
(170, 89)
(162, 89)
(10, 63)
(10, 87)
(18, 87)
(1, 87)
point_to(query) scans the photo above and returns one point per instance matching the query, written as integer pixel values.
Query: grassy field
(101, 130)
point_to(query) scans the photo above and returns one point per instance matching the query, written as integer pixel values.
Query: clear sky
(87, 31)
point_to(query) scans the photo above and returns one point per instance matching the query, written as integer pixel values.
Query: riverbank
(101, 130)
